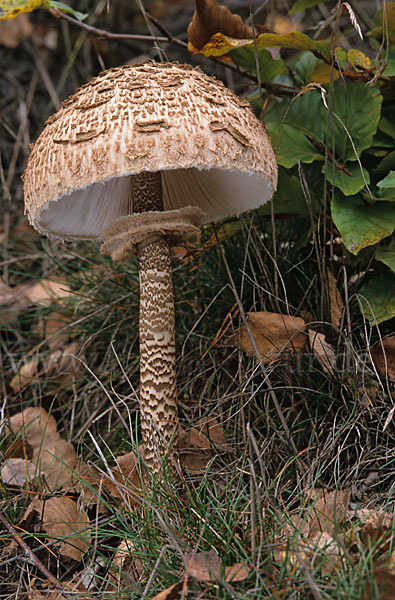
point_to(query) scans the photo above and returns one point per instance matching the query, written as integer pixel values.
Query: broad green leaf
(386, 123)
(389, 70)
(9, 9)
(341, 56)
(291, 145)
(311, 69)
(378, 298)
(386, 254)
(388, 182)
(289, 198)
(361, 225)
(349, 184)
(387, 163)
(387, 187)
(221, 44)
(356, 111)
(269, 68)
(300, 5)
(12, 8)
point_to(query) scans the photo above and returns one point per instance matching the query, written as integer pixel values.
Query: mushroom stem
(158, 399)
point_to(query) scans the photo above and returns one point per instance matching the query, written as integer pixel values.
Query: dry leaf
(42, 593)
(335, 301)
(329, 509)
(198, 444)
(384, 587)
(171, 593)
(383, 354)
(45, 291)
(323, 351)
(26, 374)
(206, 566)
(208, 19)
(125, 569)
(52, 456)
(52, 329)
(18, 471)
(61, 517)
(63, 366)
(273, 334)
(376, 518)
(35, 425)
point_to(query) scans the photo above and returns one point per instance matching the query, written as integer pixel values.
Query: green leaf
(357, 108)
(388, 22)
(221, 44)
(289, 198)
(303, 4)
(9, 9)
(311, 69)
(362, 225)
(67, 9)
(349, 184)
(386, 254)
(291, 145)
(388, 181)
(269, 68)
(378, 298)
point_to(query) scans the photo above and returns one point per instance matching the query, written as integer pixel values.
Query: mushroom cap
(211, 149)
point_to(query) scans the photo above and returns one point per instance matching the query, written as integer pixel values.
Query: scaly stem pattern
(158, 399)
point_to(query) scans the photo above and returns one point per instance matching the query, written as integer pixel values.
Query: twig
(33, 558)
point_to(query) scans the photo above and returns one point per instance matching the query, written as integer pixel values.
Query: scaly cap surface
(211, 149)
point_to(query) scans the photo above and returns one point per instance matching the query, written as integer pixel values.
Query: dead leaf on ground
(126, 568)
(18, 472)
(206, 566)
(13, 31)
(376, 518)
(46, 291)
(274, 334)
(171, 593)
(64, 366)
(42, 592)
(52, 329)
(208, 19)
(383, 354)
(62, 518)
(322, 350)
(384, 584)
(199, 444)
(328, 511)
(336, 303)
(53, 457)
(26, 374)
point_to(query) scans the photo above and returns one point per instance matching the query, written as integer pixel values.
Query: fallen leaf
(198, 445)
(18, 471)
(62, 518)
(274, 334)
(322, 350)
(206, 566)
(208, 19)
(335, 301)
(52, 328)
(171, 593)
(383, 354)
(328, 511)
(376, 518)
(26, 374)
(64, 366)
(45, 291)
(53, 457)
(126, 569)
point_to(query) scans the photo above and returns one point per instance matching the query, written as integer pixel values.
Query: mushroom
(140, 157)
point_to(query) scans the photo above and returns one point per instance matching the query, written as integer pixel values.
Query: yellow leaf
(322, 73)
(221, 44)
(9, 9)
(358, 59)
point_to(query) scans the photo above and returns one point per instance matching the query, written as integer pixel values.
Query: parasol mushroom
(140, 157)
